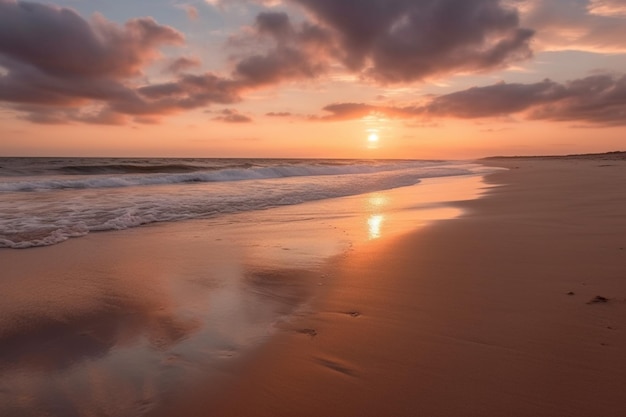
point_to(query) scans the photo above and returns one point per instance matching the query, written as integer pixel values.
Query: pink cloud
(232, 116)
(593, 26)
(183, 64)
(597, 99)
(192, 12)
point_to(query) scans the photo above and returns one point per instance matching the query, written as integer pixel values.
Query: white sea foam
(221, 175)
(63, 208)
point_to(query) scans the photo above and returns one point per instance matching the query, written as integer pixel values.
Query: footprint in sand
(336, 366)
(598, 299)
(309, 332)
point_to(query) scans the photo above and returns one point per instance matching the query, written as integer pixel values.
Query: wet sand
(518, 308)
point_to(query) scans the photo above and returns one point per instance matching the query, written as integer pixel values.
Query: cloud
(94, 71)
(232, 116)
(59, 42)
(298, 52)
(60, 115)
(395, 41)
(607, 7)
(57, 67)
(192, 12)
(597, 99)
(278, 114)
(586, 25)
(182, 64)
(389, 41)
(187, 92)
(91, 72)
(350, 111)
(495, 100)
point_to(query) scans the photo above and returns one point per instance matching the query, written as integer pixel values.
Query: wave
(129, 169)
(73, 208)
(242, 173)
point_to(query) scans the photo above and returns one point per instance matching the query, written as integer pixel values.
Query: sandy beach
(491, 314)
(515, 308)
(313, 208)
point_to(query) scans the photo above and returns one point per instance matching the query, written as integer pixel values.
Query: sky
(417, 79)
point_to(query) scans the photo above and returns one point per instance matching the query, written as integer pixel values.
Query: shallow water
(46, 201)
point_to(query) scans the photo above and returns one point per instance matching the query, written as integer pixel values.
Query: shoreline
(490, 314)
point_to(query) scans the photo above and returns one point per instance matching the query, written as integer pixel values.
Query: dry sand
(490, 314)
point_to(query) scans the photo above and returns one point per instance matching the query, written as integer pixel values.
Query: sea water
(45, 201)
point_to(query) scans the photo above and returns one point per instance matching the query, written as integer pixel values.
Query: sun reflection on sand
(374, 223)
(377, 203)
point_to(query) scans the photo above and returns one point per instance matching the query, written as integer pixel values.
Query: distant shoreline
(613, 155)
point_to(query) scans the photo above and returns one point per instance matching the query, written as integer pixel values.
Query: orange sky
(302, 78)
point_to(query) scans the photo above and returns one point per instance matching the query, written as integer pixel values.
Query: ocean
(45, 201)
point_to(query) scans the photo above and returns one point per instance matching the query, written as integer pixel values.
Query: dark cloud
(597, 99)
(183, 64)
(495, 100)
(349, 111)
(390, 41)
(409, 40)
(59, 42)
(298, 52)
(188, 91)
(277, 25)
(278, 114)
(57, 67)
(61, 115)
(279, 65)
(232, 116)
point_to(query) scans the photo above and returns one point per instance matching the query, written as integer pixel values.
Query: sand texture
(492, 314)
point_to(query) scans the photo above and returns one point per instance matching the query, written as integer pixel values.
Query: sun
(373, 137)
